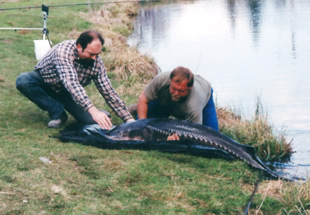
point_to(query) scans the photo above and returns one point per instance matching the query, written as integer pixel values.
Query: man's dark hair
(87, 37)
(183, 73)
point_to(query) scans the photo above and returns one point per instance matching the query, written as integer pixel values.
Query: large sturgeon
(150, 134)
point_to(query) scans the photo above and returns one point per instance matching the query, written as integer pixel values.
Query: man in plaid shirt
(58, 80)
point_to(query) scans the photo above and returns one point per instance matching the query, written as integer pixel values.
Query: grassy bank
(86, 180)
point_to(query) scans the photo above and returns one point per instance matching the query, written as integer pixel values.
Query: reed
(270, 145)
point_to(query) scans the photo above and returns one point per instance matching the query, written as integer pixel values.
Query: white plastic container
(41, 47)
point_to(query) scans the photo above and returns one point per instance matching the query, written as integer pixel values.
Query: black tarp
(93, 135)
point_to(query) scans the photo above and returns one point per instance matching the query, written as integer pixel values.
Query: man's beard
(87, 62)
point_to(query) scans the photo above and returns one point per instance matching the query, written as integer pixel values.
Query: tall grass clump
(256, 132)
(297, 195)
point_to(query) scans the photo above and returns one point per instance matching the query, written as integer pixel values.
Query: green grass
(87, 180)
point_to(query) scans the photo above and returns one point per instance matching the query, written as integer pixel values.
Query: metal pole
(45, 14)
(21, 29)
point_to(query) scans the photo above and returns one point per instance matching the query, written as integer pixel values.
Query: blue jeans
(33, 87)
(209, 118)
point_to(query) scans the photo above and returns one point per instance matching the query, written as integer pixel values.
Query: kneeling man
(179, 94)
(58, 80)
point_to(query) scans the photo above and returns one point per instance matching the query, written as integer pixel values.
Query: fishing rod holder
(45, 15)
(41, 47)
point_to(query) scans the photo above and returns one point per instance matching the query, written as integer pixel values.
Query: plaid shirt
(61, 70)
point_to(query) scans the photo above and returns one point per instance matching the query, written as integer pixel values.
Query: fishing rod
(44, 29)
(46, 8)
(82, 4)
(42, 46)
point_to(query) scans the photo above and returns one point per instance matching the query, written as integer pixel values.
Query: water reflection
(231, 5)
(292, 15)
(245, 48)
(153, 26)
(255, 13)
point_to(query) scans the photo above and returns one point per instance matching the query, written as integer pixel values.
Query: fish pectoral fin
(249, 149)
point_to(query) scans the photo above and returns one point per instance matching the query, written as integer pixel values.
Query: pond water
(247, 49)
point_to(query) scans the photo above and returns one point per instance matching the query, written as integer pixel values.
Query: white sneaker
(56, 123)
